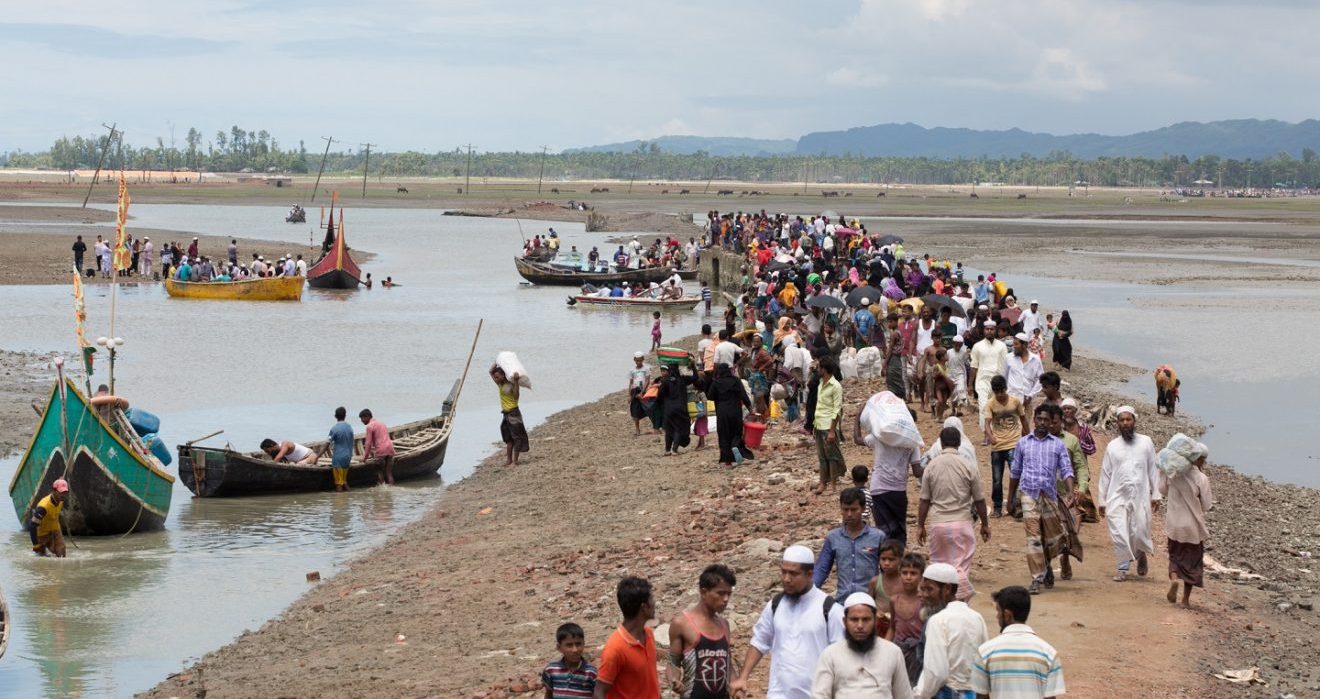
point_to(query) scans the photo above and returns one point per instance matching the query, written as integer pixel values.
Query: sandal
(1120, 576)
(1035, 587)
(1143, 565)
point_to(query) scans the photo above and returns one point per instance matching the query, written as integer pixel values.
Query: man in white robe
(1129, 493)
(794, 629)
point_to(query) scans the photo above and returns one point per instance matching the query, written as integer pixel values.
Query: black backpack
(826, 606)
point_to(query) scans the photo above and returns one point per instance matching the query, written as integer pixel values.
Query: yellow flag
(123, 256)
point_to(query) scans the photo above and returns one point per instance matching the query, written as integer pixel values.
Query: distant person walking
(79, 250)
(1188, 497)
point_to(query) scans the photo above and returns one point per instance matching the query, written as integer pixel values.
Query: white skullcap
(941, 573)
(638, 355)
(957, 338)
(866, 300)
(857, 598)
(799, 554)
(989, 324)
(1034, 302)
(1023, 337)
(1126, 409)
(1068, 403)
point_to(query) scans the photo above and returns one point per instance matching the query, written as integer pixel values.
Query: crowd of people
(666, 252)
(822, 303)
(183, 263)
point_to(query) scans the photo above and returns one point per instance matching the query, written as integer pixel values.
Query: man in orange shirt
(627, 664)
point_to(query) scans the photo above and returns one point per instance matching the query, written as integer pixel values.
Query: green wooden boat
(115, 485)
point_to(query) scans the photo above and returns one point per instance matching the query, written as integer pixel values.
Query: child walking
(655, 331)
(570, 676)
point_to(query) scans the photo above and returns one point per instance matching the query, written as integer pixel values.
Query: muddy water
(120, 613)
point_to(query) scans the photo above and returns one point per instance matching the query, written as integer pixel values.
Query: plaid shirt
(1038, 463)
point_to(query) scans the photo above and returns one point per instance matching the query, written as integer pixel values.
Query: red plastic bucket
(752, 432)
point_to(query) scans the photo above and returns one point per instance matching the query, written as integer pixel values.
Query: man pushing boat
(44, 526)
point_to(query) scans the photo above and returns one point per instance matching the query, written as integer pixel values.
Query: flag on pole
(123, 256)
(80, 323)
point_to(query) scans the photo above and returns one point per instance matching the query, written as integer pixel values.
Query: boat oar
(200, 439)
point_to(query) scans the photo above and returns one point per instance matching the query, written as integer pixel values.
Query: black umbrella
(889, 239)
(777, 266)
(855, 296)
(827, 302)
(937, 301)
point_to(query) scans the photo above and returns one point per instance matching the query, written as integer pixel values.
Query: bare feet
(1120, 576)
(1173, 593)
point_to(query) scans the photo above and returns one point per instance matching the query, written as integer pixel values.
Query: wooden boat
(686, 275)
(262, 289)
(115, 485)
(643, 302)
(336, 268)
(538, 273)
(213, 472)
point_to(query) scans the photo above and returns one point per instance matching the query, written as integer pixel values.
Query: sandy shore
(489, 589)
(36, 243)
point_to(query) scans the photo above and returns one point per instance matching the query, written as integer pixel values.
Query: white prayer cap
(1068, 403)
(1126, 409)
(989, 324)
(799, 554)
(638, 355)
(857, 598)
(1034, 302)
(1023, 337)
(941, 573)
(866, 300)
(983, 307)
(957, 338)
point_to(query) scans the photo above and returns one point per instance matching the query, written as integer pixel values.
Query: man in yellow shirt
(829, 411)
(44, 527)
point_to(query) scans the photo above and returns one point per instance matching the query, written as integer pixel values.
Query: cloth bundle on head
(1180, 454)
(799, 554)
(857, 598)
(941, 573)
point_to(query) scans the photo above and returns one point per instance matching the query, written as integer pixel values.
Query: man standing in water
(44, 527)
(377, 444)
(700, 665)
(1129, 492)
(512, 429)
(341, 449)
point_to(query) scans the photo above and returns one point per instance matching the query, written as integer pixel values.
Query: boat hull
(420, 448)
(548, 274)
(644, 304)
(114, 486)
(334, 279)
(264, 289)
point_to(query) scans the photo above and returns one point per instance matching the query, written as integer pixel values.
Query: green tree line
(239, 149)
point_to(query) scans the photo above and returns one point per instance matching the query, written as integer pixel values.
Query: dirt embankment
(465, 604)
(25, 380)
(679, 225)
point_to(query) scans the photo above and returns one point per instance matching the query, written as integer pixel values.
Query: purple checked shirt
(1039, 463)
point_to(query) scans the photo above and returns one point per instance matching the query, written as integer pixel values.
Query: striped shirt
(1038, 463)
(1017, 664)
(564, 683)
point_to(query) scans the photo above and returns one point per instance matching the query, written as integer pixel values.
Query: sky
(431, 75)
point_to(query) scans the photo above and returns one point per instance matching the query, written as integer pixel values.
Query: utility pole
(467, 175)
(365, 162)
(542, 175)
(100, 162)
(328, 140)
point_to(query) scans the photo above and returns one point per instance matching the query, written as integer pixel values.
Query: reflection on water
(120, 614)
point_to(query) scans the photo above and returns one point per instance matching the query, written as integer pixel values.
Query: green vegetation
(238, 150)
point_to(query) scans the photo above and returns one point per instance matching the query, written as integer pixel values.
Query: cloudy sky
(518, 74)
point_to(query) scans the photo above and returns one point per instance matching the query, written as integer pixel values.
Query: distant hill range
(687, 145)
(1237, 139)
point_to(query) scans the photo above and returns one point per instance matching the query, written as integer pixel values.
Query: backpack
(826, 606)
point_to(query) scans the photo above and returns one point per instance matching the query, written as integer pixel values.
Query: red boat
(336, 268)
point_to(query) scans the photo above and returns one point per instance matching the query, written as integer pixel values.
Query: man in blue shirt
(854, 548)
(1040, 462)
(982, 290)
(341, 449)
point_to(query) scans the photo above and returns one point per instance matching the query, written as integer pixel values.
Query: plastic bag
(508, 361)
(848, 366)
(887, 418)
(1181, 452)
(868, 362)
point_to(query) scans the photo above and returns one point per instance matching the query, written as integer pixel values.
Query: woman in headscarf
(1063, 341)
(1187, 498)
(789, 296)
(727, 392)
(674, 398)
(892, 290)
(784, 330)
(966, 448)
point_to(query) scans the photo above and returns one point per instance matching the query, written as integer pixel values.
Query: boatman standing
(795, 628)
(44, 527)
(378, 445)
(341, 449)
